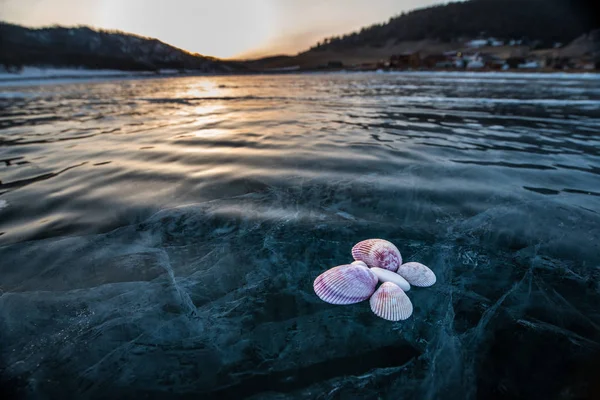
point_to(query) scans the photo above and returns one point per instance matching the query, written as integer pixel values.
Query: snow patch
(477, 43)
(530, 64)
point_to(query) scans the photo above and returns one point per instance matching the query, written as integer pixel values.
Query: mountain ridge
(519, 28)
(544, 21)
(82, 46)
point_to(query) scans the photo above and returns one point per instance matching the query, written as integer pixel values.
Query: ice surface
(215, 300)
(107, 291)
(36, 72)
(33, 76)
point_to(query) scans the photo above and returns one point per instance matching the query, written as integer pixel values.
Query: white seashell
(359, 263)
(417, 274)
(385, 275)
(391, 303)
(378, 253)
(345, 284)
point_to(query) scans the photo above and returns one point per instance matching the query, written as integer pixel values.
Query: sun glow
(218, 28)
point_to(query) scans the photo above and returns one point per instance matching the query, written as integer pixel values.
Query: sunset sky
(220, 28)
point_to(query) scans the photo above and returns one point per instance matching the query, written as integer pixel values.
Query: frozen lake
(160, 237)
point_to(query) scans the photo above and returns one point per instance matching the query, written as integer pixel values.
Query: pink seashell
(378, 253)
(359, 263)
(385, 275)
(345, 284)
(417, 274)
(391, 303)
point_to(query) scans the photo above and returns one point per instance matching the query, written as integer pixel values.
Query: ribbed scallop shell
(378, 253)
(385, 275)
(417, 274)
(345, 284)
(359, 263)
(391, 303)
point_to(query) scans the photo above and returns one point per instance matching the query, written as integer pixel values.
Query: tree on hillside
(548, 21)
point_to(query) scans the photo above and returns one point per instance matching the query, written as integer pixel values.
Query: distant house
(588, 66)
(467, 60)
(405, 60)
(586, 63)
(471, 60)
(491, 61)
(475, 62)
(529, 65)
(556, 62)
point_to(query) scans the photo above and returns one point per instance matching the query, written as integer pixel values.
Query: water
(159, 238)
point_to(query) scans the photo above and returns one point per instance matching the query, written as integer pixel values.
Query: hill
(96, 49)
(519, 28)
(544, 22)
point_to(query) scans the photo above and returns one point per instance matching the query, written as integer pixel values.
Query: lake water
(159, 237)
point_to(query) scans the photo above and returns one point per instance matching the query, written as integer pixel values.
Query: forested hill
(544, 21)
(88, 48)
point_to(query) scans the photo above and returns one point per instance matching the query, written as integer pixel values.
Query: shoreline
(39, 76)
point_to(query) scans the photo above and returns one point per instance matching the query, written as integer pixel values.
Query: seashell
(359, 263)
(391, 303)
(378, 253)
(417, 274)
(385, 275)
(345, 284)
